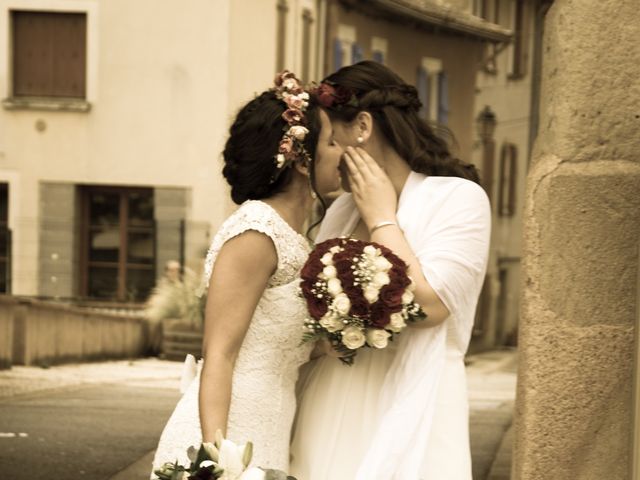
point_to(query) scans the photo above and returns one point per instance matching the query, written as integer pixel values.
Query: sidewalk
(491, 379)
(492, 387)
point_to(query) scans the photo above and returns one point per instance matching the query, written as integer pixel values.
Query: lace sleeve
(246, 218)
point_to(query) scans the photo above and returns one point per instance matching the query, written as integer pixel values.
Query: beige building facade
(111, 130)
(504, 113)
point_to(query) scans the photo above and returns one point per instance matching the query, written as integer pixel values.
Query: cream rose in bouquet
(358, 295)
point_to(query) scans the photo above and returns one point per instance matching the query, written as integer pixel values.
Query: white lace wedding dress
(263, 387)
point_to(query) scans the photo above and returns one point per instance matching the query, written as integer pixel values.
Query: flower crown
(330, 95)
(289, 89)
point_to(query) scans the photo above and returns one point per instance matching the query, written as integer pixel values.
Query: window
(520, 46)
(281, 34)
(433, 90)
(5, 240)
(343, 46)
(307, 21)
(508, 180)
(379, 49)
(357, 55)
(49, 54)
(118, 237)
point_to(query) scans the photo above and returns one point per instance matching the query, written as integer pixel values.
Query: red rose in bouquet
(358, 294)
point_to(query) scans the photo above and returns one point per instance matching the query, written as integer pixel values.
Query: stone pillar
(582, 232)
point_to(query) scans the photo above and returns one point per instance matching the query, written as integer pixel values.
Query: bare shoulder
(250, 250)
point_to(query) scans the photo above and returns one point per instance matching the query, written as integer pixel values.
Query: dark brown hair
(394, 105)
(250, 151)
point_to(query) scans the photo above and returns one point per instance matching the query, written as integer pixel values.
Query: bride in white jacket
(399, 413)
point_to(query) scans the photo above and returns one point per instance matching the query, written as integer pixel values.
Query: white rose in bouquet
(407, 296)
(334, 286)
(371, 293)
(378, 338)
(331, 323)
(342, 304)
(397, 323)
(353, 338)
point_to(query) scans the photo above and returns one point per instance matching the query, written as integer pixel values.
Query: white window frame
(88, 7)
(379, 44)
(433, 66)
(347, 37)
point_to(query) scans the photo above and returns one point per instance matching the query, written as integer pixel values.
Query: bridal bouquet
(222, 460)
(358, 295)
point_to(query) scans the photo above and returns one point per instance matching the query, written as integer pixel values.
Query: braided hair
(253, 142)
(394, 105)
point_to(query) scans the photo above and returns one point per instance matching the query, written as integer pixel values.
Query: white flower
(342, 303)
(371, 294)
(290, 83)
(231, 456)
(407, 296)
(378, 338)
(397, 323)
(334, 286)
(298, 131)
(380, 279)
(382, 264)
(211, 450)
(353, 338)
(280, 160)
(304, 95)
(370, 250)
(330, 271)
(327, 259)
(331, 323)
(335, 249)
(254, 473)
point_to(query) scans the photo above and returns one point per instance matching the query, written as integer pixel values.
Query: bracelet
(378, 225)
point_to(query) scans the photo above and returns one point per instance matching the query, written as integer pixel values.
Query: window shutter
(49, 54)
(356, 53)
(424, 90)
(443, 98)
(337, 54)
(378, 56)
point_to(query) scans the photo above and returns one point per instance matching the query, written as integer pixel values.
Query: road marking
(13, 435)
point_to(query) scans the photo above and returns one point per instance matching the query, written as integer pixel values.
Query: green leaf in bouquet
(170, 471)
(311, 337)
(248, 454)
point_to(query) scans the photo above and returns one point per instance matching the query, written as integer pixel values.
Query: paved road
(86, 432)
(101, 421)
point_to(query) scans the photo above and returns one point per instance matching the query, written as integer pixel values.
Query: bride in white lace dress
(254, 317)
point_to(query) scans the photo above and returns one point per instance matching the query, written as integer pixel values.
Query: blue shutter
(337, 54)
(443, 98)
(422, 84)
(378, 56)
(356, 53)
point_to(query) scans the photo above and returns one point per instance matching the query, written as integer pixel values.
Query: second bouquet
(358, 294)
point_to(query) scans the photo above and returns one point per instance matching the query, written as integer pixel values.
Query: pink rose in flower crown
(358, 294)
(281, 77)
(286, 145)
(292, 116)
